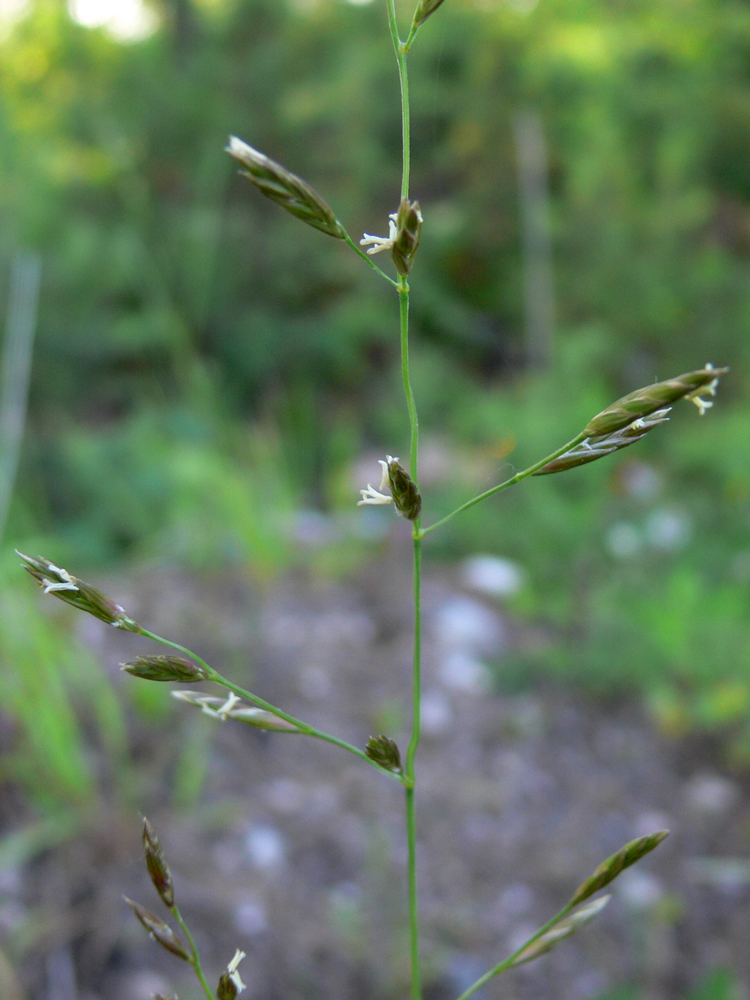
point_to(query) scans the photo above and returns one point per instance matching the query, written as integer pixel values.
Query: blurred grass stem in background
(15, 368)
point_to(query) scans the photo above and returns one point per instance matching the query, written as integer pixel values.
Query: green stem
(416, 672)
(508, 962)
(400, 49)
(195, 960)
(350, 242)
(411, 817)
(410, 37)
(519, 476)
(411, 833)
(409, 774)
(403, 292)
(303, 727)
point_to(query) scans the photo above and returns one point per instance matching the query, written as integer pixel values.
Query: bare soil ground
(294, 850)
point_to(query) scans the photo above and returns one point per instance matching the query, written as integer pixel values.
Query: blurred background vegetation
(208, 375)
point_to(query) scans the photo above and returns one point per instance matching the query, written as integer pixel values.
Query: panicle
(385, 752)
(60, 583)
(165, 668)
(629, 418)
(285, 188)
(569, 925)
(406, 240)
(424, 9)
(158, 869)
(161, 933)
(592, 448)
(609, 870)
(690, 385)
(405, 495)
(233, 708)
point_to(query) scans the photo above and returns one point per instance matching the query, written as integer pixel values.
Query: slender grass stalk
(195, 960)
(304, 728)
(406, 46)
(416, 674)
(403, 291)
(15, 370)
(508, 962)
(411, 833)
(400, 51)
(411, 815)
(409, 771)
(517, 478)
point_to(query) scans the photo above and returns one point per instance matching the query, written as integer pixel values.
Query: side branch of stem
(350, 243)
(517, 478)
(508, 962)
(303, 727)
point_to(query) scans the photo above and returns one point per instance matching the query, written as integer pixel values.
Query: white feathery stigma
(373, 496)
(697, 394)
(64, 583)
(380, 243)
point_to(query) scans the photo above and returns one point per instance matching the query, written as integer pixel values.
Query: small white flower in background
(624, 540)
(381, 242)
(696, 396)
(373, 496)
(232, 970)
(492, 575)
(64, 583)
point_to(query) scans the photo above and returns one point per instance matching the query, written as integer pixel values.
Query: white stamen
(64, 583)
(702, 404)
(381, 242)
(371, 496)
(695, 396)
(223, 711)
(232, 970)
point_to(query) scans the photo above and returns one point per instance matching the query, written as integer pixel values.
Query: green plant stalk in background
(619, 425)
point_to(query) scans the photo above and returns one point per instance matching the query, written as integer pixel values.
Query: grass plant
(619, 425)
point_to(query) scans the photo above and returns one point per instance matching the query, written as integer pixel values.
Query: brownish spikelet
(608, 870)
(161, 933)
(158, 869)
(285, 188)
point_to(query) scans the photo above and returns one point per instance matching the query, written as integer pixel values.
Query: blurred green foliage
(205, 366)
(55, 695)
(170, 287)
(718, 985)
